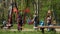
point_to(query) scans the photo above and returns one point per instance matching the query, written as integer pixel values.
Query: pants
(42, 30)
(19, 27)
(35, 24)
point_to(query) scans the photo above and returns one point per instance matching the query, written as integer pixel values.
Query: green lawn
(24, 32)
(24, 26)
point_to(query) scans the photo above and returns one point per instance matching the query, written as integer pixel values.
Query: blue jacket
(41, 23)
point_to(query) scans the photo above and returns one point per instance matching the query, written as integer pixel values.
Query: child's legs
(49, 25)
(42, 30)
(21, 27)
(18, 26)
(35, 25)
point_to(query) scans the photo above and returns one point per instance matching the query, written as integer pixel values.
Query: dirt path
(26, 29)
(58, 30)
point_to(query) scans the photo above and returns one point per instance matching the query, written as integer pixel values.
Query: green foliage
(26, 32)
(44, 5)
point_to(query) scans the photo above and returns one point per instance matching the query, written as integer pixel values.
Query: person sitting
(42, 24)
(4, 24)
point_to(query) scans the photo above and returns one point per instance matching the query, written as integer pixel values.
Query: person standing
(35, 21)
(19, 22)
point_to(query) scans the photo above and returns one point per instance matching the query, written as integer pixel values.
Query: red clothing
(27, 10)
(15, 9)
(19, 26)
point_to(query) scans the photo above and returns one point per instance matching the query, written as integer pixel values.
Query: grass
(24, 32)
(28, 26)
(9, 32)
(24, 26)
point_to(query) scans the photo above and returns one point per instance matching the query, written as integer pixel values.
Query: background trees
(44, 5)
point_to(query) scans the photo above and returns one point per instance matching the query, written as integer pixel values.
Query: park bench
(48, 27)
(53, 27)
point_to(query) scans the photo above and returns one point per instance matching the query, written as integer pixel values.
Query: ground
(27, 29)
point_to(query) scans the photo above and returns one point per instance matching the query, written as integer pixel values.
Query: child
(42, 24)
(4, 24)
(19, 23)
(35, 21)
